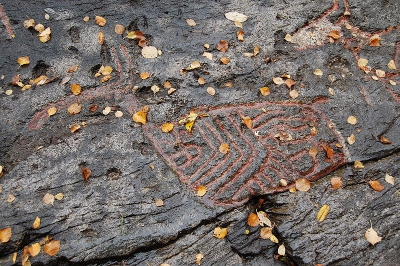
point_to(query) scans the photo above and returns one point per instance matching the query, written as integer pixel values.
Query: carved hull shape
(257, 160)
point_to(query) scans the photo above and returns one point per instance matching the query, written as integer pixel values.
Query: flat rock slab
(112, 218)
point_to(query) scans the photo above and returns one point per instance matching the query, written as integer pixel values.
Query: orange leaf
(376, 185)
(167, 127)
(253, 220)
(86, 173)
(5, 234)
(72, 69)
(222, 46)
(159, 202)
(201, 191)
(74, 128)
(52, 247)
(141, 115)
(100, 38)
(313, 152)
(329, 152)
(36, 223)
(334, 34)
(265, 91)
(24, 60)
(336, 182)
(34, 249)
(224, 148)
(144, 75)
(247, 121)
(375, 41)
(76, 89)
(100, 21)
(385, 140)
(303, 184)
(225, 60)
(289, 83)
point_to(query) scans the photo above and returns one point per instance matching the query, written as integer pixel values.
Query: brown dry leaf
(201, 191)
(391, 65)
(294, 94)
(93, 108)
(119, 29)
(52, 247)
(292, 190)
(220, 232)
(52, 111)
(144, 75)
(224, 148)
(101, 38)
(380, 73)
(362, 62)
(72, 69)
(5, 234)
(15, 80)
(76, 89)
(289, 82)
(266, 232)
(278, 80)
(329, 152)
(222, 46)
(10, 198)
(265, 91)
(303, 184)
(24, 60)
(351, 139)
(318, 72)
(74, 128)
(141, 115)
(149, 52)
(191, 22)
(313, 152)
(240, 35)
(34, 249)
(36, 223)
(167, 84)
(385, 140)
(29, 23)
(376, 185)
(236, 16)
(135, 35)
(201, 81)
(389, 179)
(228, 84)
(248, 122)
(352, 120)
(74, 109)
(211, 91)
(334, 34)
(372, 236)
(283, 136)
(323, 212)
(48, 199)
(336, 182)
(375, 40)
(199, 257)
(39, 28)
(253, 220)
(167, 127)
(86, 173)
(358, 165)
(159, 202)
(225, 60)
(100, 21)
(59, 196)
(256, 50)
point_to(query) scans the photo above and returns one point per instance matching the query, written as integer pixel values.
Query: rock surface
(112, 218)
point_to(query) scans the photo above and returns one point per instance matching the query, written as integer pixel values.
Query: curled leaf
(323, 212)
(141, 115)
(86, 173)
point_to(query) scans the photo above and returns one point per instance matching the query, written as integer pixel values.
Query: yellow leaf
(201, 191)
(358, 165)
(51, 111)
(24, 60)
(220, 232)
(322, 213)
(45, 32)
(224, 148)
(362, 62)
(199, 257)
(141, 115)
(14, 257)
(5, 234)
(256, 50)
(59, 196)
(391, 65)
(107, 70)
(265, 91)
(194, 65)
(36, 223)
(52, 247)
(274, 239)
(282, 250)
(48, 198)
(189, 126)
(318, 72)
(247, 121)
(288, 37)
(167, 127)
(238, 24)
(76, 89)
(100, 21)
(34, 249)
(10, 198)
(144, 75)
(352, 120)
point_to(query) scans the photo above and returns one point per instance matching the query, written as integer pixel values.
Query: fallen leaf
(191, 22)
(144, 75)
(15, 80)
(171, 90)
(228, 84)
(76, 89)
(224, 148)
(167, 127)
(220, 232)
(24, 60)
(208, 55)
(247, 121)
(14, 257)
(119, 29)
(336, 182)
(282, 250)
(351, 139)
(100, 21)
(155, 89)
(318, 72)
(189, 126)
(329, 152)
(288, 37)
(149, 52)
(141, 115)
(5, 234)
(201, 81)
(362, 62)
(334, 34)
(206, 45)
(294, 94)
(167, 84)
(59, 196)
(283, 182)
(236, 16)
(159, 202)
(283, 136)
(44, 36)
(10, 198)
(289, 82)
(389, 179)
(238, 24)
(106, 78)
(278, 80)
(34, 249)
(374, 77)
(65, 80)
(165, 264)
(313, 152)
(29, 23)
(274, 239)
(256, 50)
(39, 28)
(36, 223)
(119, 114)
(48, 199)
(263, 217)
(376, 185)
(199, 257)
(313, 131)
(222, 46)
(372, 236)
(135, 35)
(100, 38)
(323, 212)
(391, 65)
(86, 173)
(201, 191)
(106, 110)
(74, 109)
(240, 35)
(211, 91)
(253, 220)
(385, 140)
(1, 174)
(249, 54)
(303, 184)
(86, 19)
(375, 41)
(380, 73)
(265, 91)
(292, 190)
(51, 111)
(266, 232)
(72, 69)
(358, 165)
(52, 247)
(225, 60)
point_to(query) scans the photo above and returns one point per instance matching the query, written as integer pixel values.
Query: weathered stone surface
(112, 218)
